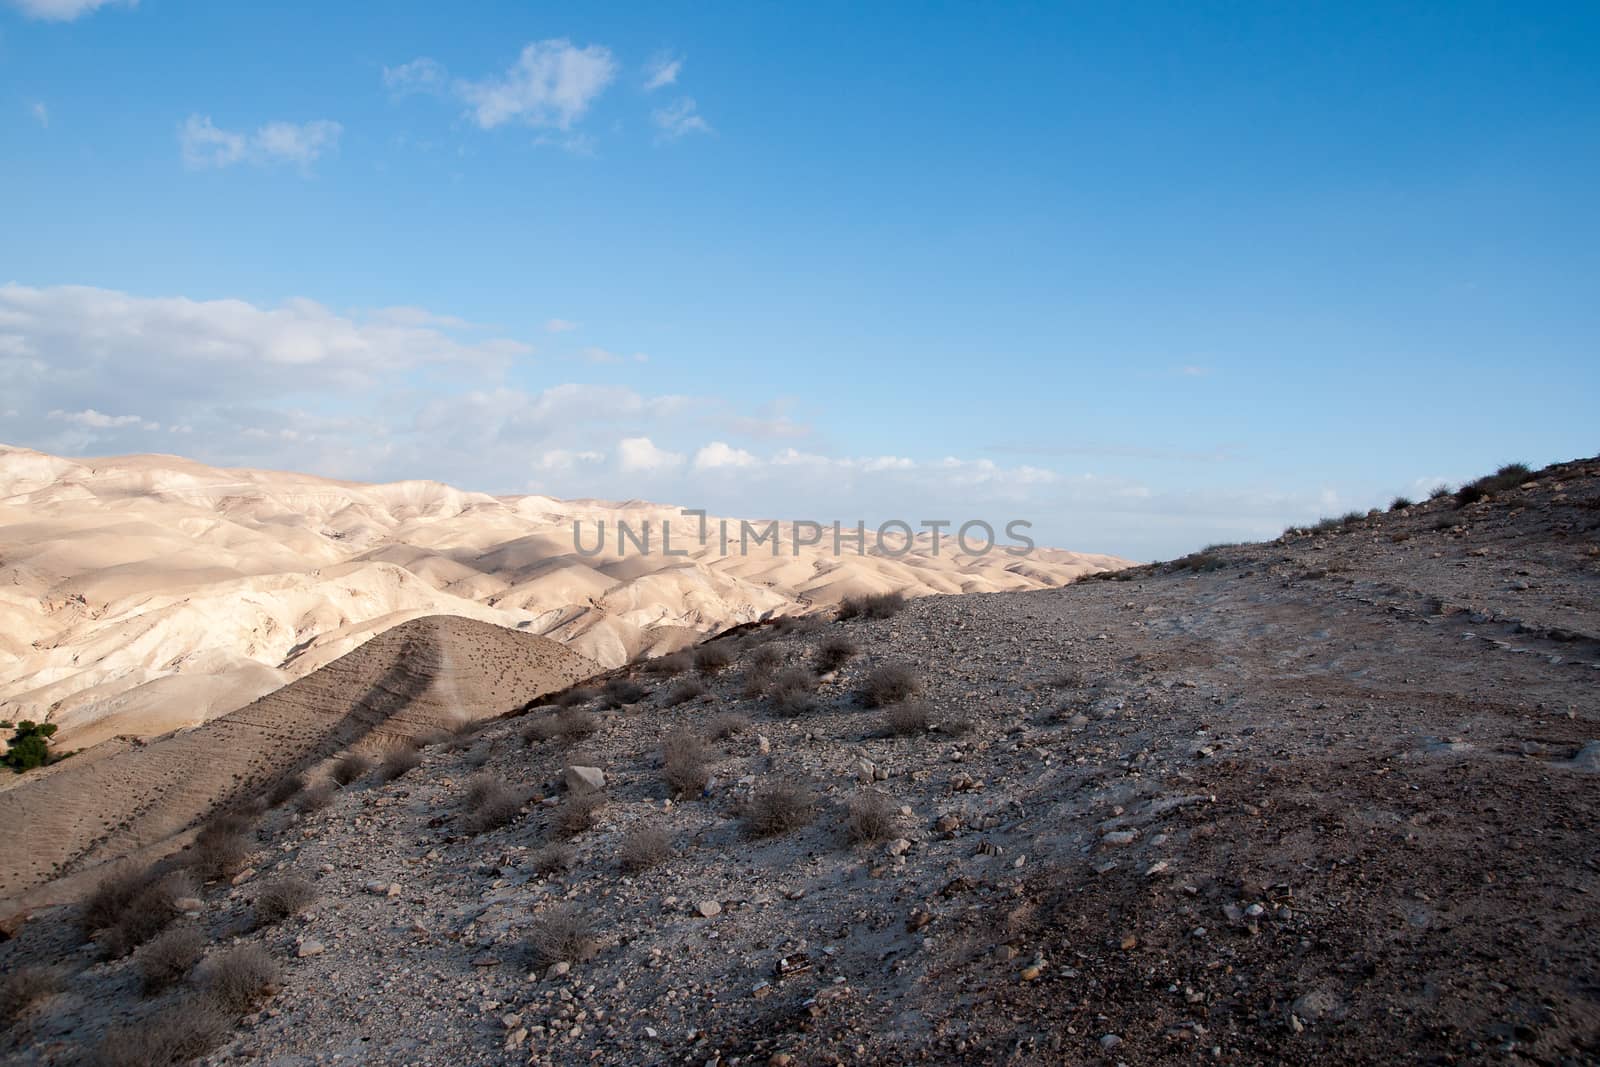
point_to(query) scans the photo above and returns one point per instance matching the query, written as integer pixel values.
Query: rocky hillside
(1329, 799)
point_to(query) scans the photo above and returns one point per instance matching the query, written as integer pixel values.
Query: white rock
(708, 909)
(309, 948)
(583, 779)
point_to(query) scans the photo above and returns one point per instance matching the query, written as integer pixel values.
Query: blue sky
(1148, 275)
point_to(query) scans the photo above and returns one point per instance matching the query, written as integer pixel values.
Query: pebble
(309, 948)
(1120, 837)
(899, 847)
(708, 909)
(1110, 1041)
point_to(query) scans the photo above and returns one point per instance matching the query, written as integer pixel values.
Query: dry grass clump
(543, 728)
(791, 693)
(240, 979)
(713, 658)
(644, 848)
(490, 804)
(316, 798)
(130, 907)
(176, 1034)
(1507, 477)
(676, 663)
(726, 725)
(623, 691)
(578, 813)
(907, 718)
(579, 695)
(398, 761)
(561, 934)
(777, 807)
(767, 658)
(683, 692)
(685, 764)
(168, 959)
(1400, 503)
(554, 858)
(432, 736)
(24, 988)
(351, 767)
(219, 850)
(574, 724)
(875, 606)
(283, 899)
(285, 790)
(889, 684)
(869, 817)
(834, 653)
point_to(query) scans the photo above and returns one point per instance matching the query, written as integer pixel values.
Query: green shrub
(30, 746)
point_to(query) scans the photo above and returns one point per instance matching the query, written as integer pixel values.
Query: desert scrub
(728, 724)
(875, 606)
(283, 899)
(621, 692)
(579, 695)
(398, 761)
(24, 988)
(676, 663)
(315, 798)
(578, 813)
(490, 803)
(285, 789)
(352, 766)
(791, 693)
(130, 918)
(713, 658)
(643, 848)
(833, 653)
(561, 934)
(869, 817)
(168, 959)
(176, 1034)
(575, 724)
(683, 692)
(906, 719)
(553, 859)
(240, 978)
(544, 727)
(766, 658)
(777, 807)
(889, 684)
(684, 764)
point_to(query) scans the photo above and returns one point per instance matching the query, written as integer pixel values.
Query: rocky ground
(1330, 799)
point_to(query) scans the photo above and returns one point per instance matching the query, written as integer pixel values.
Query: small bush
(219, 851)
(1508, 477)
(726, 725)
(777, 807)
(713, 658)
(767, 658)
(283, 899)
(150, 911)
(791, 696)
(240, 978)
(479, 755)
(1400, 503)
(1439, 492)
(491, 804)
(676, 663)
(553, 859)
(578, 813)
(560, 934)
(573, 697)
(168, 959)
(576, 724)
(24, 988)
(398, 761)
(622, 691)
(543, 728)
(874, 606)
(285, 790)
(105, 905)
(316, 798)
(834, 653)
(889, 684)
(352, 767)
(30, 746)
(644, 848)
(869, 817)
(906, 718)
(683, 692)
(176, 1034)
(684, 764)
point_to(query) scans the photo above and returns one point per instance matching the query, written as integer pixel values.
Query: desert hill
(132, 795)
(1328, 799)
(139, 594)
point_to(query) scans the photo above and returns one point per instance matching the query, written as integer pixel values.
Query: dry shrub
(577, 695)
(176, 1034)
(574, 724)
(713, 658)
(726, 725)
(906, 719)
(791, 693)
(560, 934)
(24, 988)
(644, 848)
(397, 761)
(889, 684)
(676, 663)
(869, 817)
(554, 858)
(285, 790)
(622, 691)
(107, 902)
(491, 804)
(432, 736)
(283, 899)
(578, 813)
(352, 767)
(683, 692)
(145, 914)
(168, 959)
(777, 807)
(316, 798)
(543, 728)
(875, 606)
(834, 653)
(684, 764)
(240, 979)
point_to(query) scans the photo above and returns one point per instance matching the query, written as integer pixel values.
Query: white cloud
(551, 84)
(640, 455)
(596, 354)
(564, 460)
(720, 455)
(679, 118)
(41, 113)
(662, 71)
(204, 144)
(421, 75)
(63, 10)
(560, 326)
(89, 418)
